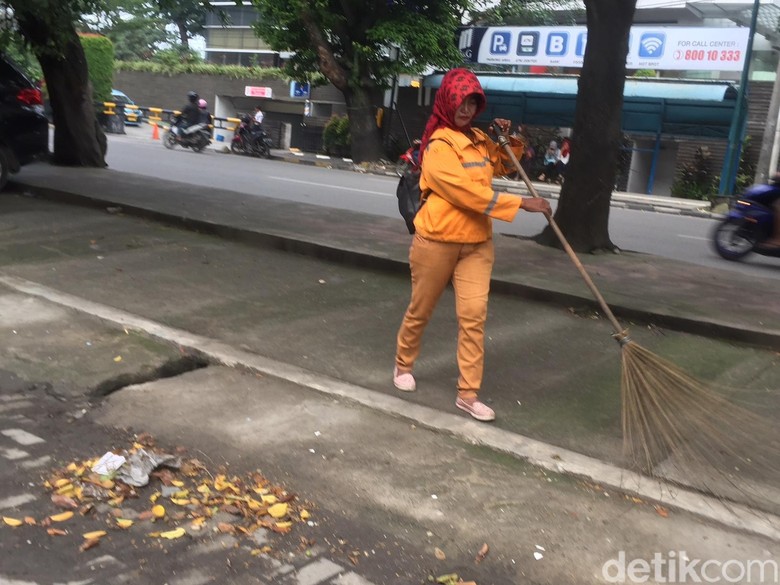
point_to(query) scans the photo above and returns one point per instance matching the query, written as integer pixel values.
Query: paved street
(252, 356)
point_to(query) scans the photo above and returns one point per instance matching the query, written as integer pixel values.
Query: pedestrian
(563, 160)
(453, 239)
(551, 157)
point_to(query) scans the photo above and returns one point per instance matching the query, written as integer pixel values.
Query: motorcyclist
(190, 113)
(204, 117)
(774, 240)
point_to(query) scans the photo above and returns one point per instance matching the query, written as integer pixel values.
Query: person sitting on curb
(551, 157)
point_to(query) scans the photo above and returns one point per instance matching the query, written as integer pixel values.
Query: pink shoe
(404, 381)
(478, 410)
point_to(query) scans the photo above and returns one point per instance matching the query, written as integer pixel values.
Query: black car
(24, 128)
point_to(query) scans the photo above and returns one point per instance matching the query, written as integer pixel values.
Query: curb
(701, 326)
(543, 455)
(692, 209)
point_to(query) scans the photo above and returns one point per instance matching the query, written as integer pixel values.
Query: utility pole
(731, 162)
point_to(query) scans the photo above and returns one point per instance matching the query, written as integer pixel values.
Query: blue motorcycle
(748, 224)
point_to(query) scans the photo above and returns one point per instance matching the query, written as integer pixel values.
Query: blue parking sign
(500, 42)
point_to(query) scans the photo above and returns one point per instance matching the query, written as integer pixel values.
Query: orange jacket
(457, 175)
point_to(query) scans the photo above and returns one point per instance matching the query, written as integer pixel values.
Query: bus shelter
(656, 112)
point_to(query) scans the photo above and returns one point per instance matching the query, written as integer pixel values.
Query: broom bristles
(671, 418)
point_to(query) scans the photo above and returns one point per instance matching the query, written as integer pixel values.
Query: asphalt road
(679, 237)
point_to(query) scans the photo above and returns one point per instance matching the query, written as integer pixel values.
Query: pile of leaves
(179, 500)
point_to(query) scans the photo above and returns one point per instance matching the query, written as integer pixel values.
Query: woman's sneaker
(404, 381)
(478, 410)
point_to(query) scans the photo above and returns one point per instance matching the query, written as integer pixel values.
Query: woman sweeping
(453, 239)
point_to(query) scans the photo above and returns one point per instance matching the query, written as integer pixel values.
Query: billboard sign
(667, 48)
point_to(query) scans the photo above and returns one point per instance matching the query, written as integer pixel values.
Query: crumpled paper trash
(108, 464)
(139, 466)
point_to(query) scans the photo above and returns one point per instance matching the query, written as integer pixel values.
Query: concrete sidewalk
(650, 289)
(328, 327)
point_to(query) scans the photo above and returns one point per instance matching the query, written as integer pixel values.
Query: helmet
(192, 96)
(202, 104)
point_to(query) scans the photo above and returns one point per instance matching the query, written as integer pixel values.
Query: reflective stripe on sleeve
(492, 203)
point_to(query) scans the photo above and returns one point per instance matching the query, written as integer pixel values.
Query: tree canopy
(360, 46)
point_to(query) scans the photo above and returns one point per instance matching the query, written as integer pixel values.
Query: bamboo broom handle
(619, 331)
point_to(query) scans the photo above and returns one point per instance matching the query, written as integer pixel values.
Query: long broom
(672, 422)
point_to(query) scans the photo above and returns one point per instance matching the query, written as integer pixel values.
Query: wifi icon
(651, 45)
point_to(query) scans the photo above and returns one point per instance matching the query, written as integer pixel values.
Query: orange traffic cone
(155, 132)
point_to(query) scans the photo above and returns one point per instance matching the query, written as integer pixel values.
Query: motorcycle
(409, 160)
(749, 222)
(251, 140)
(197, 137)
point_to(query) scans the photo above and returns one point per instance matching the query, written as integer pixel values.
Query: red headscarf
(456, 86)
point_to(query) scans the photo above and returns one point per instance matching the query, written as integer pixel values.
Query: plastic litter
(141, 464)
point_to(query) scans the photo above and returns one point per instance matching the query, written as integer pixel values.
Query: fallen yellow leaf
(61, 482)
(118, 358)
(124, 523)
(177, 483)
(305, 515)
(171, 534)
(61, 517)
(158, 511)
(278, 510)
(94, 535)
(56, 532)
(270, 499)
(254, 505)
(30, 521)
(180, 501)
(12, 521)
(65, 490)
(154, 497)
(283, 524)
(204, 489)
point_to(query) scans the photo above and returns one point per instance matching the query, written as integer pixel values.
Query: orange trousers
(468, 267)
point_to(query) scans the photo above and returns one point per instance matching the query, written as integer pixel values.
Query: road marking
(14, 454)
(317, 572)
(692, 237)
(15, 502)
(40, 462)
(22, 437)
(331, 186)
(351, 579)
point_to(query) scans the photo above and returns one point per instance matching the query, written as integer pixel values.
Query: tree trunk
(183, 34)
(78, 138)
(366, 139)
(583, 208)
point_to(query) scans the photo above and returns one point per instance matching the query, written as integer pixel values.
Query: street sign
(650, 47)
(300, 90)
(260, 92)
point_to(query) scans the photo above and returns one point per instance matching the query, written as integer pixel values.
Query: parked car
(133, 116)
(24, 128)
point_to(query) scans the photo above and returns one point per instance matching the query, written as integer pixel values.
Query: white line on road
(14, 454)
(338, 188)
(15, 502)
(22, 437)
(692, 237)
